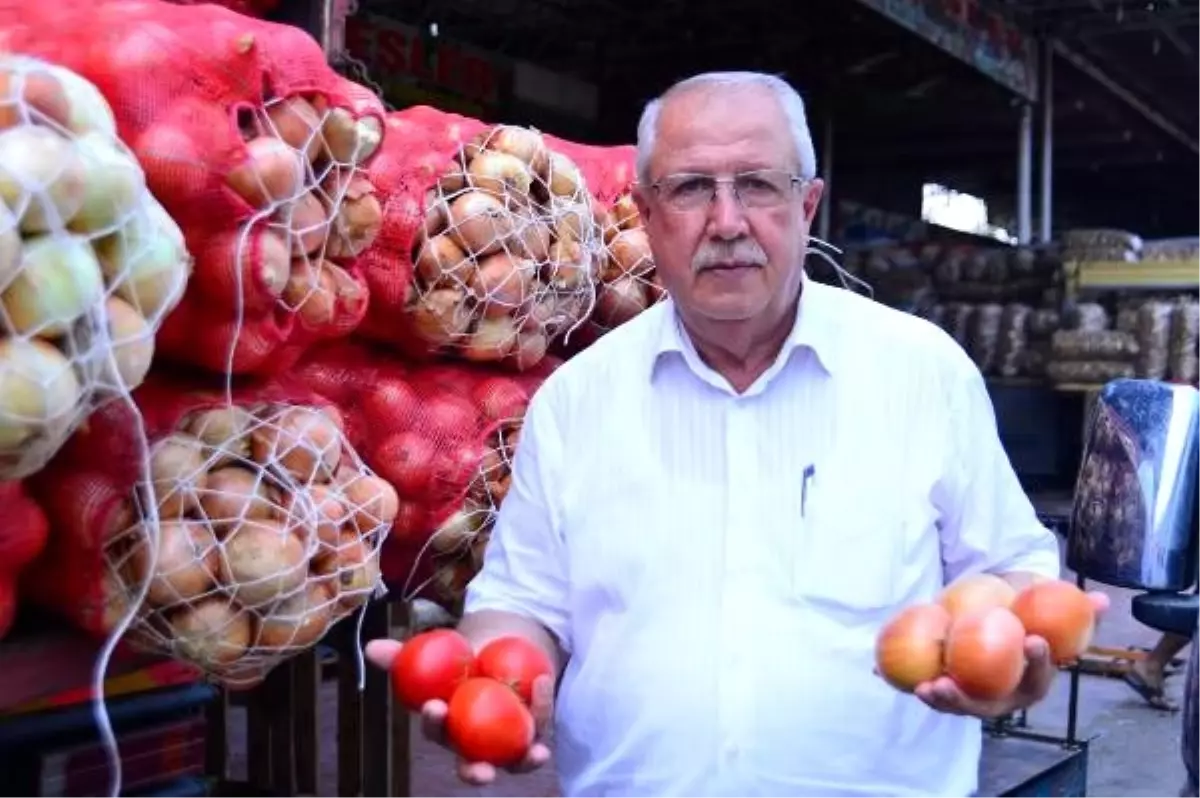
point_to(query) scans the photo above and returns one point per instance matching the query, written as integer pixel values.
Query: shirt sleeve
(525, 564)
(987, 523)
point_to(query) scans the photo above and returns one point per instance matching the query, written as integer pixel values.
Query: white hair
(789, 100)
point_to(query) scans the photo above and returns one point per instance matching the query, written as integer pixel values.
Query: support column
(1046, 231)
(1025, 175)
(825, 215)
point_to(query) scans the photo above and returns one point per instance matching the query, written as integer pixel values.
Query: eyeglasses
(761, 188)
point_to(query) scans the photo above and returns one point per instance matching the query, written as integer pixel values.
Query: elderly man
(717, 506)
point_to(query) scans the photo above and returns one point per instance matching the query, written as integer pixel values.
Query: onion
(302, 441)
(188, 558)
(655, 289)
(624, 213)
(630, 251)
(310, 293)
(307, 223)
(493, 339)
(113, 183)
(457, 531)
(619, 301)
(479, 223)
(58, 281)
(533, 239)
(350, 141)
(262, 562)
(177, 474)
(564, 177)
(353, 568)
(437, 214)
(570, 219)
(147, 261)
(10, 245)
(909, 649)
(372, 501)
(530, 349)
(440, 316)
(322, 513)
(30, 92)
(89, 111)
(501, 283)
(1060, 613)
(42, 178)
(527, 145)
(441, 262)
(273, 172)
(223, 431)
(299, 620)
(359, 216)
(976, 592)
(570, 265)
(211, 633)
(232, 495)
(985, 653)
(405, 460)
(132, 344)
(500, 174)
(39, 393)
(295, 121)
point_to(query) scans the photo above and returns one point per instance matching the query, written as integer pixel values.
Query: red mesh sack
(251, 8)
(441, 434)
(253, 144)
(23, 532)
(489, 243)
(236, 531)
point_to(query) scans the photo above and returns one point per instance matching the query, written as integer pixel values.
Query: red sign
(392, 49)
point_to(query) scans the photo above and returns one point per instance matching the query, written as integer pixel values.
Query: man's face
(725, 259)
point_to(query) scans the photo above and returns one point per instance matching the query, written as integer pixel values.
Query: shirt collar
(814, 330)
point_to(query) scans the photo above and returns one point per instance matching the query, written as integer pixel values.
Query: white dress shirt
(720, 618)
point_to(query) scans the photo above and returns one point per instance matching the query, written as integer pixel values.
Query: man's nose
(726, 217)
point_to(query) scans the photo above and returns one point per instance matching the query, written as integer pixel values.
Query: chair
(1134, 519)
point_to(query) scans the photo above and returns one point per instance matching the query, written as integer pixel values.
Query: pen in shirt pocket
(809, 471)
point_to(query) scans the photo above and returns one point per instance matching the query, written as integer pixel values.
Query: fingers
(542, 705)
(433, 721)
(539, 754)
(1040, 671)
(943, 695)
(382, 653)
(1100, 601)
(477, 773)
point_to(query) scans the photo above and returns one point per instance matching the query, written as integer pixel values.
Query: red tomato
(431, 666)
(515, 662)
(487, 722)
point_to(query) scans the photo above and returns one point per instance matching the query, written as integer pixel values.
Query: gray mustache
(747, 252)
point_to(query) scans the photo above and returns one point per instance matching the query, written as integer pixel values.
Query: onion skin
(909, 650)
(1061, 614)
(976, 592)
(985, 653)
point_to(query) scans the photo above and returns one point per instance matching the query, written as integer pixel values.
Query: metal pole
(825, 219)
(1047, 189)
(1025, 175)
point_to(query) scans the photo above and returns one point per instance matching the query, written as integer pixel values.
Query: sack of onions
(441, 434)
(90, 263)
(23, 532)
(255, 146)
(234, 535)
(489, 241)
(628, 282)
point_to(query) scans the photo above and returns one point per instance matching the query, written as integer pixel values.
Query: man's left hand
(943, 694)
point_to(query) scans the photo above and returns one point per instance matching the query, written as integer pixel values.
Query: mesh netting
(90, 263)
(256, 529)
(254, 145)
(489, 247)
(628, 282)
(23, 532)
(434, 433)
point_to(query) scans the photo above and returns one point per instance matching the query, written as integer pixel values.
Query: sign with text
(973, 33)
(412, 67)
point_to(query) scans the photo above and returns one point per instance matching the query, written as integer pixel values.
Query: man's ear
(641, 198)
(812, 199)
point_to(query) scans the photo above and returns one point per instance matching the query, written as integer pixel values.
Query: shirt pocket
(847, 556)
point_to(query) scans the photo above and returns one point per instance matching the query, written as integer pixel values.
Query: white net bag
(268, 532)
(501, 235)
(90, 262)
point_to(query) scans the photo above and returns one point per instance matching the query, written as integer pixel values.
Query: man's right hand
(381, 653)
